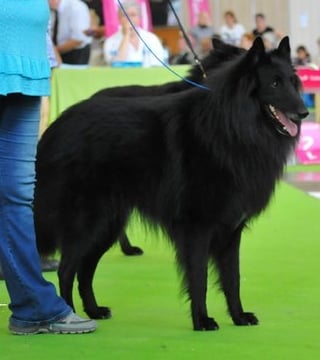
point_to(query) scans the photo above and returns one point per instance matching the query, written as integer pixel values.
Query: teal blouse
(24, 64)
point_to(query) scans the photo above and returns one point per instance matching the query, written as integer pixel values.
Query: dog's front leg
(192, 254)
(227, 261)
(66, 275)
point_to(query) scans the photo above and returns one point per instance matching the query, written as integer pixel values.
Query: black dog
(221, 52)
(199, 163)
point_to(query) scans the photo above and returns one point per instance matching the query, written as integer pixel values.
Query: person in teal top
(24, 78)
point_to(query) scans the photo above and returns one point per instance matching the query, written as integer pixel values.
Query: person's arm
(80, 22)
(122, 52)
(68, 46)
(96, 31)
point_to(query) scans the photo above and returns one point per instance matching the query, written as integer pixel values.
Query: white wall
(304, 25)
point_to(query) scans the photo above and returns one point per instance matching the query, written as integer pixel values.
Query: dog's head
(279, 87)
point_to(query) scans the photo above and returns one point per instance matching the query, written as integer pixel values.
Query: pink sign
(308, 149)
(110, 13)
(310, 78)
(195, 7)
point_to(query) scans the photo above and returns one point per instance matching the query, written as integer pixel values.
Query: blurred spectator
(270, 40)
(206, 47)
(96, 6)
(261, 25)
(159, 12)
(70, 19)
(269, 35)
(126, 46)
(201, 32)
(184, 56)
(177, 6)
(246, 41)
(302, 57)
(96, 31)
(317, 59)
(231, 32)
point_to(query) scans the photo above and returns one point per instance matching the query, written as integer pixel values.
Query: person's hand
(127, 29)
(89, 32)
(96, 32)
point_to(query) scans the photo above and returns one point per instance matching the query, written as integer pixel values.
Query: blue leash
(160, 60)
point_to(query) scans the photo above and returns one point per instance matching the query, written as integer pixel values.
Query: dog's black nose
(303, 114)
(299, 115)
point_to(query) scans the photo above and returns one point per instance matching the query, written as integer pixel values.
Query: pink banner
(110, 13)
(195, 7)
(310, 78)
(308, 149)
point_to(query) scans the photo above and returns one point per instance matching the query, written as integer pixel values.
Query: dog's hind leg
(192, 246)
(106, 235)
(85, 275)
(66, 274)
(227, 262)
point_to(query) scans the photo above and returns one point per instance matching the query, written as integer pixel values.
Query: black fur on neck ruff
(200, 164)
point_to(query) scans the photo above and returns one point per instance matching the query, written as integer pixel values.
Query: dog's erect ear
(284, 48)
(258, 46)
(257, 50)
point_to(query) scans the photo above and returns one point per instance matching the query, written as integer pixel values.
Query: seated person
(302, 57)
(70, 20)
(184, 56)
(231, 32)
(246, 41)
(202, 30)
(126, 46)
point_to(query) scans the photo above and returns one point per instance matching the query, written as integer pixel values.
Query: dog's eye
(275, 82)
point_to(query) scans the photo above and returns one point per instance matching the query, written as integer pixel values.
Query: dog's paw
(245, 319)
(206, 324)
(101, 312)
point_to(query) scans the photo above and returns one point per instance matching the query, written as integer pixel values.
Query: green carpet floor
(280, 283)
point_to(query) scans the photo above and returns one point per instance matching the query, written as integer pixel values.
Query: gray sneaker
(71, 324)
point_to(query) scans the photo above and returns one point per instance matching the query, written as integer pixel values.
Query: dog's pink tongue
(290, 126)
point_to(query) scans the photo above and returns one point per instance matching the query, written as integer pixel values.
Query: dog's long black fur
(221, 52)
(200, 164)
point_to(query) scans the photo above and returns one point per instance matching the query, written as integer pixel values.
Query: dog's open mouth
(286, 125)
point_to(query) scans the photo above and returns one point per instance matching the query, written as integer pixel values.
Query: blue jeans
(33, 299)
